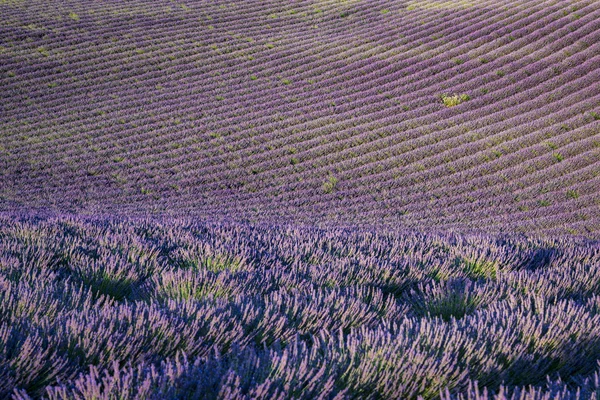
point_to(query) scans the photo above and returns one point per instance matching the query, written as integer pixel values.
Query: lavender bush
(97, 307)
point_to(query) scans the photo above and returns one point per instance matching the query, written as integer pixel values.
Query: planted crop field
(114, 309)
(422, 114)
(300, 199)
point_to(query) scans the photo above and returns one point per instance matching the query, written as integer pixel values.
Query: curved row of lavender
(94, 308)
(457, 115)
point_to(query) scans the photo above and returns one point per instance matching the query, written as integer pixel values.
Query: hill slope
(471, 114)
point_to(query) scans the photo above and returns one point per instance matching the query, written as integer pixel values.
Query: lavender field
(420, 114)
(135, 309)
(300, 199)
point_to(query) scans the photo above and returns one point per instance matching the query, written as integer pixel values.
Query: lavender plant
(100, 307)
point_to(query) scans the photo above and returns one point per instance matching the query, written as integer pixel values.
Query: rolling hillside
(418, 114)
(300, 199)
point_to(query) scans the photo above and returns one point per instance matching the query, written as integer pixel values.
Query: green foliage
(213, 263)
(117, 288)
(572, 194)
(454, 305)
(330, 184)
(43, 51)
(558, 157)
(454, 100)
(219, 263)
(478, 269)
(446, 300)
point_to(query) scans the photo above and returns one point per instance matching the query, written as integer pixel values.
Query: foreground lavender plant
(102, 308)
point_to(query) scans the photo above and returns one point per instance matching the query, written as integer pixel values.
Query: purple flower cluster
(104, 308)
